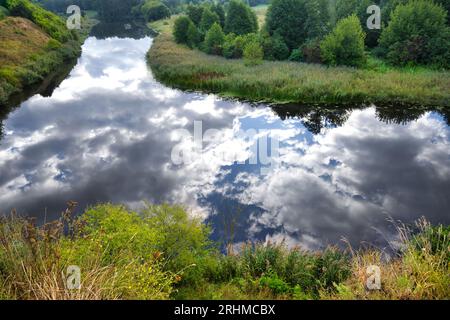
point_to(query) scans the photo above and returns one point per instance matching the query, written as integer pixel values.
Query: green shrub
(229, 46)
(193, 37)
(311, 52)
(10, 76)
(417, 34)
(214, 39)
(53, 44)
(332, 267)
(240, 18)
(180, 29)
(275, 284)
(253, 53)
(345, 45)
(280, 50)
(296, 55)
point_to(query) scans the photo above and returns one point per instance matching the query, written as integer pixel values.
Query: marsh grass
(293, 82)
(419, 271)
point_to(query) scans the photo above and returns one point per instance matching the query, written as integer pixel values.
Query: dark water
(110, 132)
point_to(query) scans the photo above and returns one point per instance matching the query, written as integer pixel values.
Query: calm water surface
(109, 133)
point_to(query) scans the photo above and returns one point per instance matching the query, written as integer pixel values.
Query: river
(310, 176)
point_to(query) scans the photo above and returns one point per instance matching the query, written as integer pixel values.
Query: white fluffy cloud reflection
(108, 134)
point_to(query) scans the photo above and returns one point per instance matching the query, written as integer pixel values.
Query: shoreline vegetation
(34, 43)
(163, 253)
(282, 82)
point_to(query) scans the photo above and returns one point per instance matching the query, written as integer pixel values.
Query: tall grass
(162, 253)
(292, 82)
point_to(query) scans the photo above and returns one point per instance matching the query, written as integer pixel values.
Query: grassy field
(291, 82)
(162, 253)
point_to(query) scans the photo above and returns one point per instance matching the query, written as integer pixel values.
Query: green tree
(208, 19)
(345, 8)
(195, 13)
(228, 46)
(279, 48)
(155, 10)
(318, 21)
(345, 44)
(240, 18)
(253, 53)
(288, 19)
(193, 35)
(220, 11)
(180, 29)
(214, 39)
(417, 34)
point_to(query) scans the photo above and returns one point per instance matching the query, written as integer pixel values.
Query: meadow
(161, 252)
(293, 82)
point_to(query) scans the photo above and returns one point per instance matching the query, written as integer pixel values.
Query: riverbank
(162, 253)
(29, 52)
(292, 82)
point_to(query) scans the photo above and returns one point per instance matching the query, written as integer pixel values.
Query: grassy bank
(162, 253)
(292, 82)
(32, 48)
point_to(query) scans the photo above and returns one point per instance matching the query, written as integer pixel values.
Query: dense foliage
(417, 33)
(240, 19)
(214, 39)
(345, 44)
(321, 31)
(154, 10)
(161, 253)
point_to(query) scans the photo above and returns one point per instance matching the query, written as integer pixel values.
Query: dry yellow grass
(19, 39)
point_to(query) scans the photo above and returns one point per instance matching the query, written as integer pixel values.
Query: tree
(345, 8)
(214, 39)
(417, 34)
(219, 10)
(279, 48)
(180, 29)
(208, 19)
(155, 10)
(228, 46)
(195, 13)
(345, 44)
(288, 19)
(193, 37)
(240, 19)
(318, 20)
(253, 53)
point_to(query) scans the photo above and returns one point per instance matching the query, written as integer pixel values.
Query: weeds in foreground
(162, 253)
